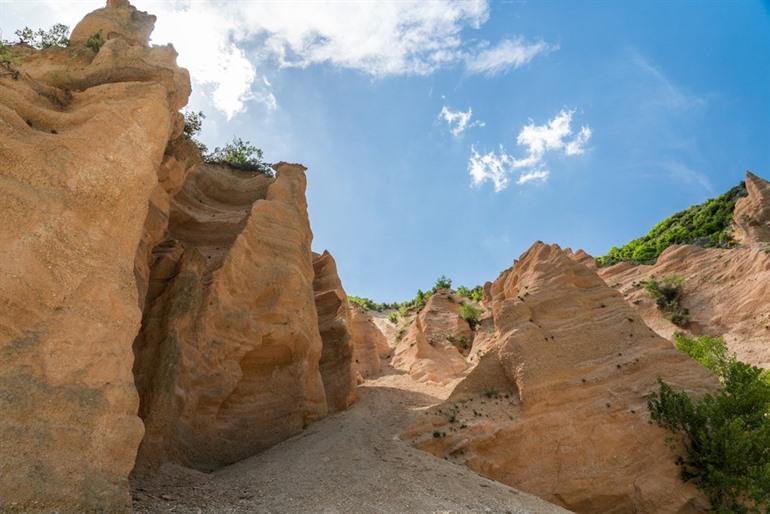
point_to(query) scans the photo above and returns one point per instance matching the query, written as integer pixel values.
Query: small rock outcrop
(752, 212)
(436, 343)
(370, 345)
(558, 406)
(334, 322)
(82, 136)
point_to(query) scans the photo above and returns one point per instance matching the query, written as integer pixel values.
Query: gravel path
(350, 462)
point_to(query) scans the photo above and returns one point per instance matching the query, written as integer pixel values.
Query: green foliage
(8, 57)
(55, 36)
(241, 155)
(193, 123)
(442, 282)
(711, 352)
(474, 294)
(393, 317)
(726, 435)
(8, 54)
(95, 42)
(470, 314)
(707, 224)
(668, 296)
(367, 303)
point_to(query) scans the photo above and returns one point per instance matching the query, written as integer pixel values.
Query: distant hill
(708, 224)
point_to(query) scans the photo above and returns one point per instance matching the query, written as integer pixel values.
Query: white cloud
(533, 176)
(553, 136)
(490, 167)
(230, 48)
(509, 54)
(459, 121)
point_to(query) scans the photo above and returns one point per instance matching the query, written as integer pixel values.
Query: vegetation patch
(470, 314)
(95, 42)
(726, 435)
(238, 154)
(668, 297)
(707, 224)
(56, 36)
(474, 294)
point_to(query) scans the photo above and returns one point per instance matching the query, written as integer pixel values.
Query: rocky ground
(351, 462)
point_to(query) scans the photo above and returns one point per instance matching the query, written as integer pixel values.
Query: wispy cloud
(508, 54)
(665, 92)
(688, 175)
(459, 121)
(556, 135)
(533, 176)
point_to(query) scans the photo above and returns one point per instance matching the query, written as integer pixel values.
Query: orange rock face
(82, 136)
(557, 407)
(752, 212)
(334, 325)
(227, 358)
(434, 346)
(369, 343)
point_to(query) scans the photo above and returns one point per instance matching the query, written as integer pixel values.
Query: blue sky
(619, 113)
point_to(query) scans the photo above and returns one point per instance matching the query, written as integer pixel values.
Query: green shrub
(193, 123)
(393, 317)
(470, 314)
(366, 303)
(55, 36)
(8, 57)
(726, 435)
(474, 294)
(707, 224)
(241, 155)
(668, 295)
(442, 282)
(95, 42)
(711, 352)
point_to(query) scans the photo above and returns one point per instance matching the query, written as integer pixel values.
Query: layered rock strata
(82, 137)
(334, 321)
(557, 407)
(227, 361)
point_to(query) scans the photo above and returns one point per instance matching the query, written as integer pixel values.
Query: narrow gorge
(171, 342)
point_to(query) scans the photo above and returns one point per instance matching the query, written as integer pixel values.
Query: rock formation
(82, 136)
(436, 343)
(558, 406)
(752, 212)
(116, 235)
(334, 322)
(369, 343)
(227, 358)
(726, 291)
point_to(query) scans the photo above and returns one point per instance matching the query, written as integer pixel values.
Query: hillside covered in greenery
(707, 224)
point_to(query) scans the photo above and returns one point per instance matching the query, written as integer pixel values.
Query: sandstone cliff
(118, 237)
(726, 291)
(82, 137)
(235, 328)
(557, 405)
